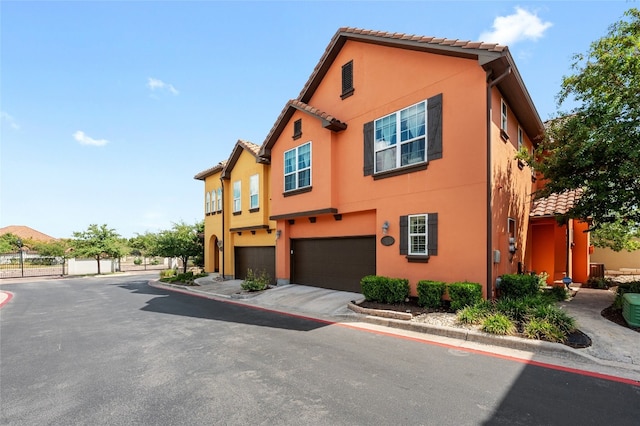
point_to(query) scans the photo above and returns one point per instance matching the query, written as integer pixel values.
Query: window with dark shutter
(406, 238)
(297, 129)
(347, 80)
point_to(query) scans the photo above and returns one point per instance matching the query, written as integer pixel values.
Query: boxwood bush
(516, 286)
(464, 294)
(376, 288)
(430, 293)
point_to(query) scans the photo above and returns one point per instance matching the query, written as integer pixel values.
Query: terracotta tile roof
(25, 233)
(400, 39)
(328, 121)
(555, 204)
(206, 173)
(250, 146)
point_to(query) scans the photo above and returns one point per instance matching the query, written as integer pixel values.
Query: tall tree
(616, 236)
(56, 248)
(595, 146)
(143, 244)
(97, 242)
(182, 241)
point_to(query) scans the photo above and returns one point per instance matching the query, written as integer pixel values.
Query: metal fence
(143, 264)
(22, 264)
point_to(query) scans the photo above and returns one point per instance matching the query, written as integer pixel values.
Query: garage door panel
(255, 258)
(334, 263)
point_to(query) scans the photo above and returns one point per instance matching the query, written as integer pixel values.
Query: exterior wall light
(385, 227)
(278, 233)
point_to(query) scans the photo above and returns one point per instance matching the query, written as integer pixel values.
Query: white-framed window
(254, 188)
(219, 199)
(503, 116)
(417, 234)
(297, 167)
(237, 192)
(520, 138)
(400, 138)
(212, 209)
(207, 203)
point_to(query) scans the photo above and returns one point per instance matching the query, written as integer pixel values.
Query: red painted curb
(415, 339)
(6, 300)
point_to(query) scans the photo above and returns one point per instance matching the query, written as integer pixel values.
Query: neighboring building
(398, 159)
(238, 233)
(213, 230)
(559, 249)
(25, 233)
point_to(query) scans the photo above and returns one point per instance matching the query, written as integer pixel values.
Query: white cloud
(84, 139)
(522, 25)
(6, 118)
(156, 84)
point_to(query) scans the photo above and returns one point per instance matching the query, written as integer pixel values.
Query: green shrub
(542, 329)
(516, 286)
(430, 293)
(599, 282)
(498, 324)
(559, 293)
(555, 316)
(256, 282)
(464, 294)
(475, 314)
(137, 261)
(376, 288)
(515, 309)
(166, 273)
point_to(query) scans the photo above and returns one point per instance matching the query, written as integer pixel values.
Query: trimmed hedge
(376, 288)
(464, 294)
(430, 293)
(517, 286)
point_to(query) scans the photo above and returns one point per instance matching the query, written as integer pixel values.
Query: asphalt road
(114, 351)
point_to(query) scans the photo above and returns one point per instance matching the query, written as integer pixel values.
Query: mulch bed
(615, 315)
(409, 306)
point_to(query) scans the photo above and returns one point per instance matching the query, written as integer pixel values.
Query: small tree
(143, 244)
(8, 243)
(182, 241)
(97, 242)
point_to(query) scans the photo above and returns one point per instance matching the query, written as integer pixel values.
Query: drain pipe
(490, 86)
(224, 243)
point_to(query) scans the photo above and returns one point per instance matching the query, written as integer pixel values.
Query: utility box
(631, 309)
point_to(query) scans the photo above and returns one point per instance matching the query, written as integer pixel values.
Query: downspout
(490, 86)
(224, 243)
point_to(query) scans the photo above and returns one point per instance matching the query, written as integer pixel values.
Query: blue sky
(108, 109)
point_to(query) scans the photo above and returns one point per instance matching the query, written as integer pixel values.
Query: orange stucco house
(398, 159)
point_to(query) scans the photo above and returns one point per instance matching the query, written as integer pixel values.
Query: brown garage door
(256, 258)
(334, 263)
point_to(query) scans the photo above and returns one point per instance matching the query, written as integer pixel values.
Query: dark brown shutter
(404, 235)
(432, 234)
(434, 131)
(347, 79)
(297, 128)
(368, 148)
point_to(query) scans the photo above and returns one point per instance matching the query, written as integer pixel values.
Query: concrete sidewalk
(612, 345)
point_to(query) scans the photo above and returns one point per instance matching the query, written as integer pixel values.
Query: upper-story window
(219, 200)
(404, 141)
(212, 207)
(237, 191)
(297, 167)
(254, 188)
(347, 80)
(503, 115)
(207, 203)
(400, 138)
(520, 138)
